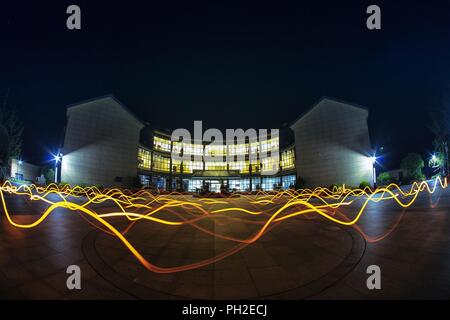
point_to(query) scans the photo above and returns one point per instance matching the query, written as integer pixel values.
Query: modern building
(105, 144)
(24, 171)
(158, 168)
(333, 145)
(101, 143)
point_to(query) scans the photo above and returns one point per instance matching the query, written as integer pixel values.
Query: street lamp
(374, 160)
(57, 158)
(19, 163)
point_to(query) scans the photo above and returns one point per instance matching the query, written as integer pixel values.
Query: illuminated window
(270, 183)
(270, 164)
(161, 163)
(194, 185)
(241, 166)
(215, 165)
(214, 150)
(288, 181)
(196, 165)
(269, 145)
(256, 167)
(238, 149)
(193, 149)
(176, 166)
(254, 148)
(287, 159)
(239, 184)
(144, 159)
(234, 184)
(176, 147)
(162, 144)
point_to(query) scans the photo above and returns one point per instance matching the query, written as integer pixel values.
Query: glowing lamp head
(57, 158)
(433, 157)
(373, 159)
(20, 162)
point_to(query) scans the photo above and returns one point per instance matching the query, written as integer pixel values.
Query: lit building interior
(157, 168)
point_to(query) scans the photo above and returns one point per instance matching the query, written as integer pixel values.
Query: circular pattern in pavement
(295, 260)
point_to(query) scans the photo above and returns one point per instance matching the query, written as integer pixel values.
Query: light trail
(269, 209)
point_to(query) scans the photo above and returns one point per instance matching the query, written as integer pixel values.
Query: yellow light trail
(270, 208)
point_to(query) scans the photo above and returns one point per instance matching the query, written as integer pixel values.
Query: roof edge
(111, 96)
(322, 99)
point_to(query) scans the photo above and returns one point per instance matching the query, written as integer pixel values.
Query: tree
(437, 162)
(385, 178)
(440, 127)
(49, 174)
(412, 164)
(4, 144)
(10, 133)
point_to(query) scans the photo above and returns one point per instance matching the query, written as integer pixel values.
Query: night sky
(258, 65)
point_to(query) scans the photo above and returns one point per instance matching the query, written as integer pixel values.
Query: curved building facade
(235, 170)
(105, 144)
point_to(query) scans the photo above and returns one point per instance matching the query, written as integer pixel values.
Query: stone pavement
(299, 258)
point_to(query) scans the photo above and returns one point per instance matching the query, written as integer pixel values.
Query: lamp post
(57, 159)
(19, 164)
(374, 160)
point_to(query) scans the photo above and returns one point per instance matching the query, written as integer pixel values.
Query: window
(161, 163)
(176, 166)
(234, 184)
(144, 180)
(144, 159)
(270, 183)
(193, 149)
(215, 150)
(162, 144)
(194, 185)
(288, 181)
(215, 165)
(176, 147)
(245, 184)
(196, 165)
(241, 166)
(287, 159)
(270, 164)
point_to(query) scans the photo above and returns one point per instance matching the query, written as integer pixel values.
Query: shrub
(364, 184)
(49, 174)
(385, 178)
(412, 164)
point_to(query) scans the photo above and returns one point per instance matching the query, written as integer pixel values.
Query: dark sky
(257, 65)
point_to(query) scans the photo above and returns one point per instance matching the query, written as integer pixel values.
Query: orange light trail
(265, 209)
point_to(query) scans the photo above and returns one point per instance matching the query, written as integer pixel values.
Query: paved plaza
(305, 257)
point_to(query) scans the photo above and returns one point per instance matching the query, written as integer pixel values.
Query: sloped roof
(324, 98)
(112, 97)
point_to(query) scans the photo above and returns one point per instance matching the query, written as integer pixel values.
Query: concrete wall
(101, 143)
(29, 171)
(332, 145)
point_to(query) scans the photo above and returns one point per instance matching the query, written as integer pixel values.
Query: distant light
(433, 157)
(20, 162)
